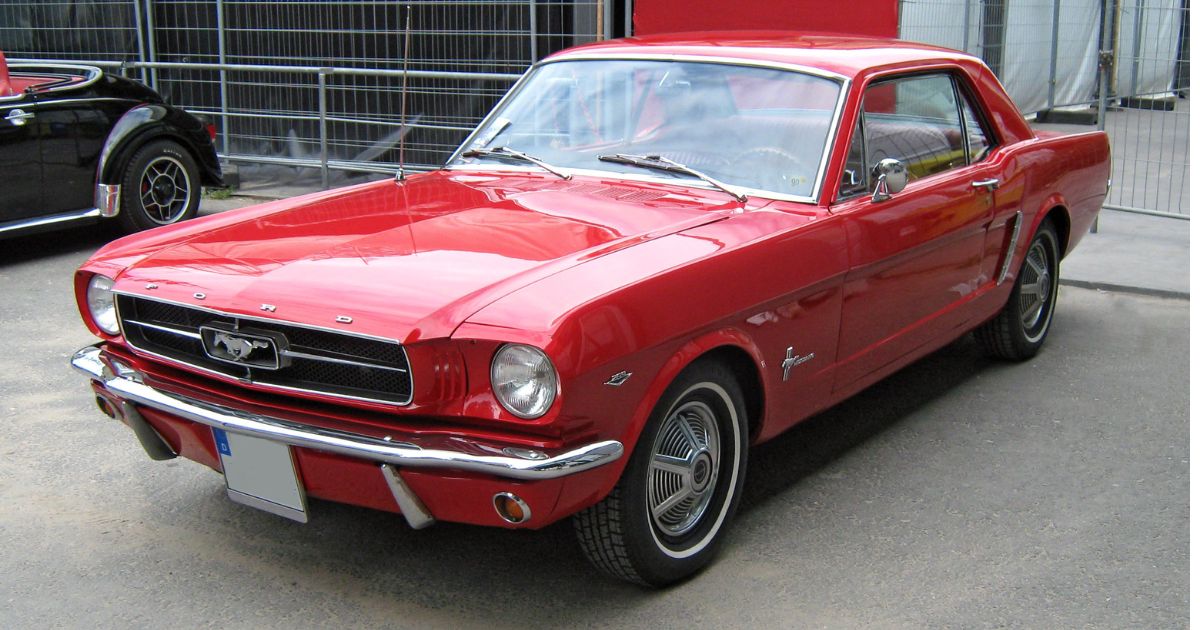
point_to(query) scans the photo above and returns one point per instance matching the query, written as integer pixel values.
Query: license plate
(261, 474)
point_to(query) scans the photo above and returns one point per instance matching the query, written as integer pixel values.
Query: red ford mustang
(652, 255)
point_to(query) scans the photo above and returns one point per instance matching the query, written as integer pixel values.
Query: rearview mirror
(890, 177)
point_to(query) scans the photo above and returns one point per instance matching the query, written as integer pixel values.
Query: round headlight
(524, 380)
(101, 305)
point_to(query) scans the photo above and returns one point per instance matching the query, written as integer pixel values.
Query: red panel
(878, 18)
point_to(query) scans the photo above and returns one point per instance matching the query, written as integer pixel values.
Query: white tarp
(1028, 41)
(1028, 44)
(1152, 56)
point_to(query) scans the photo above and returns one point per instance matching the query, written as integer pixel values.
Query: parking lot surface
(961, 492)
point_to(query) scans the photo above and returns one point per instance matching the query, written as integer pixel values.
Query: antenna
(404, 91)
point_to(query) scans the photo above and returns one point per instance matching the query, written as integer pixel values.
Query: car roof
(847, 55)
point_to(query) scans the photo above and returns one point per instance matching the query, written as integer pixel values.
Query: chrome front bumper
(128, 384)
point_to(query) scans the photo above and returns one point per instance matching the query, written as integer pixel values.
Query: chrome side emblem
(270, 308)
(619, 378)
(151, 286)
(791, 361)
(344, 319)
(199, 296)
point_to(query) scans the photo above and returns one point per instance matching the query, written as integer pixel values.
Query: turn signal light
(511, 508)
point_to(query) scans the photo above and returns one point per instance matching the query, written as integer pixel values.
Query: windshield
(750, 127)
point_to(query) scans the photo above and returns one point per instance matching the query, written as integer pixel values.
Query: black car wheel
(1019, 330)
(160, 186)
(664, 520)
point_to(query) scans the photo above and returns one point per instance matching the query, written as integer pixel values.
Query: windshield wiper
(661, 163)
(513, 153)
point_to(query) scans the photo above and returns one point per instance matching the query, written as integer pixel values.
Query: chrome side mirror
(890, 177)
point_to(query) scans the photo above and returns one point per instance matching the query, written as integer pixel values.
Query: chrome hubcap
(683, 472)
(165, 190)
(1036, 285)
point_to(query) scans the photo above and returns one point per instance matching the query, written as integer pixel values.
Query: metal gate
(317, 82)
(1118, 65)
(312, 82)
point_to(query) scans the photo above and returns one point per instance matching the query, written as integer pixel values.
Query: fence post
(1106, 65)
(150, 49)
(1053, 54)
(966, 25)
(141, 43)
(532, 32)
(1137, 48)
(223, 85)
(322, 106)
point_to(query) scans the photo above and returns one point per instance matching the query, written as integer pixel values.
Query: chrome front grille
(310, 359)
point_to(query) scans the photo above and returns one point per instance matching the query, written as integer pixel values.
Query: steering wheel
(784, 168)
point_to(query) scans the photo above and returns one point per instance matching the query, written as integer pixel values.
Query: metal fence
(313, 82)
(1120, 65)
(317, 82)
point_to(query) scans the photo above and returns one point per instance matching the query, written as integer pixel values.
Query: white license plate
(261, 474)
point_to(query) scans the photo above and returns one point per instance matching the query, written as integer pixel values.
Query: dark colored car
(78, 144)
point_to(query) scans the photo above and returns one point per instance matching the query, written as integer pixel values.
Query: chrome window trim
(267, 385)
(92, 75)
(822, 167)
(34, 105)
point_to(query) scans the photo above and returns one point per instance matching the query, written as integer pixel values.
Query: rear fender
(146, 122)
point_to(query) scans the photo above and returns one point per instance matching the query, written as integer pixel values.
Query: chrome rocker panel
(125, 384)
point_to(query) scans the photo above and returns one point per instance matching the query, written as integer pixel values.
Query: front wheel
(160, 186)
(1019, 330)
(680, 488)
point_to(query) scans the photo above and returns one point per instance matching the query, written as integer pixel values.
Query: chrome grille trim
(335, 385)
(317, 357)
(166, 329)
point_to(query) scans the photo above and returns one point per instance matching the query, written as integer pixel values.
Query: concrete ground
(961, 492)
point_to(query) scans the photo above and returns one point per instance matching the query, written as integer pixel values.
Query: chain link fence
(318, 82)
(1118, 65)
(313, 82)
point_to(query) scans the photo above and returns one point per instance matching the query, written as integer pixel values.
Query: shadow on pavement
(806, 448)
(87, 238)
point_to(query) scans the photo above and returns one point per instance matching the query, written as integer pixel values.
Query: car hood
(409, 261)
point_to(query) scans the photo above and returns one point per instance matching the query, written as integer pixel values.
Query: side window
(855, 175)
(978, 143)
(915, 120)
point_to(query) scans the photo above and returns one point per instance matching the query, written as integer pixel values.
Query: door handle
(990, 184)
(18, 117)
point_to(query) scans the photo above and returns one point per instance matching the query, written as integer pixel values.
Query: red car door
(915, 257)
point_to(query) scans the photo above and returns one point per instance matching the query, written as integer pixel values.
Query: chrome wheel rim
(165, 190)
(1037, 289)
(684, 469)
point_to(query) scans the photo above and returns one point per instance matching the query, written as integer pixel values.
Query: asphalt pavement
(962, 492)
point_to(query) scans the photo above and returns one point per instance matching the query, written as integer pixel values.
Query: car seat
(5, 87)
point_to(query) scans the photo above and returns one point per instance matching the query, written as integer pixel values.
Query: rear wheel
(664, 520)
(160, 186)
(1019, 330)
